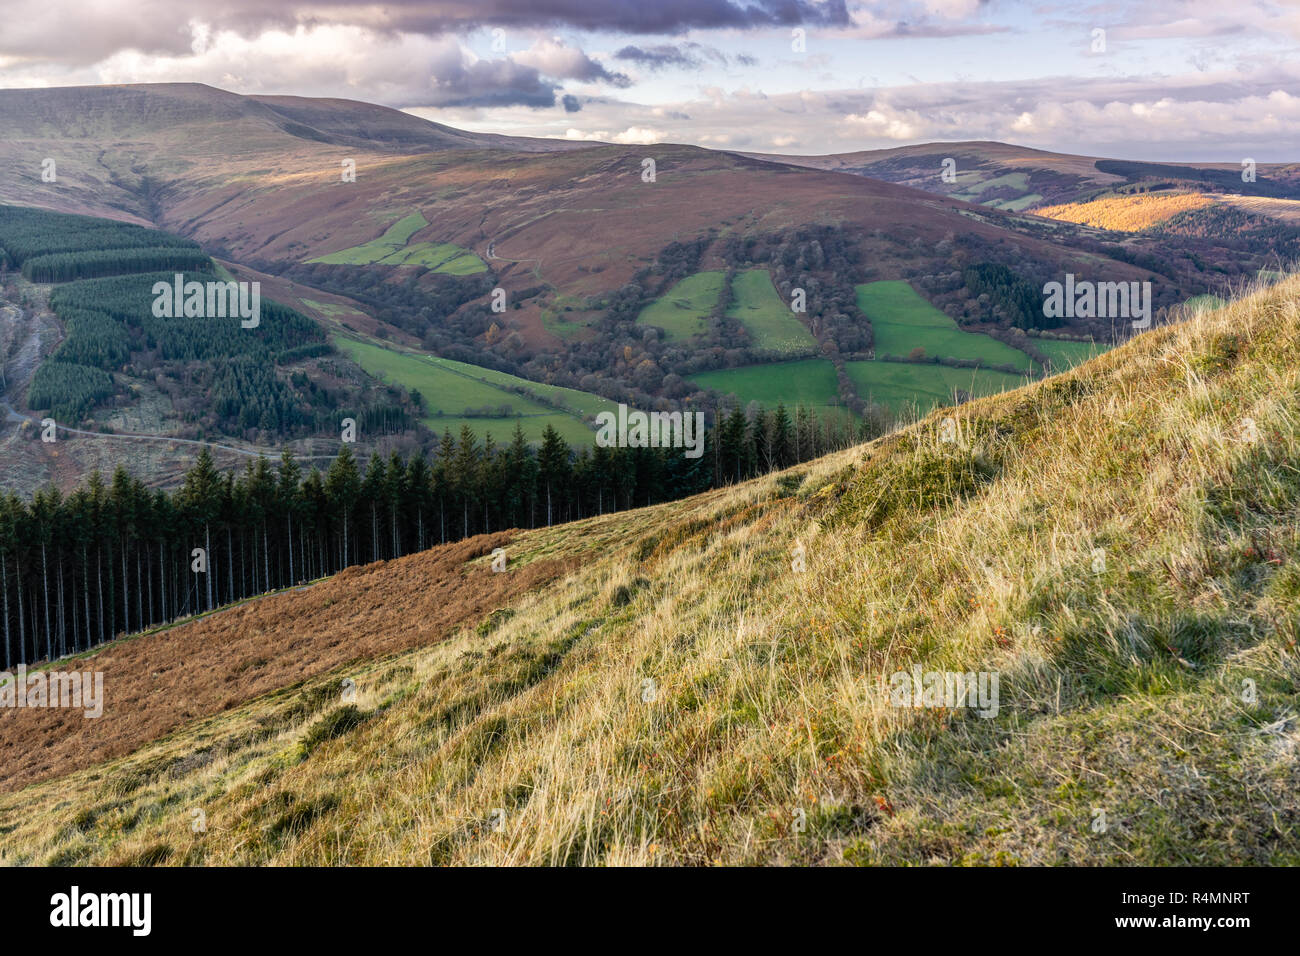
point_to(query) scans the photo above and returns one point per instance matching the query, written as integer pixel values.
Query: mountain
(716, 680)
(112, 144)
(1218, 215)
(1006, 176)
(661, 276)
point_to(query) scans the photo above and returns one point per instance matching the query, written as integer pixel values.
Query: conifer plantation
(115, 557)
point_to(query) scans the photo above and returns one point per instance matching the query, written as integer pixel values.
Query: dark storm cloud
(39, 29)
(624, 16)
(571, 103)
(487, 83)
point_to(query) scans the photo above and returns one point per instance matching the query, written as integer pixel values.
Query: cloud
(552, 57)
(73, 32)
(1218, 78)
(632, 136)
(348, 62)
(689, 55)
(397, 69)
(621, 16)
(1190, 117)
(656, 57)
(884, 122)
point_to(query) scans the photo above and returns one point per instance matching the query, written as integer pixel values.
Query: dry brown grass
(1284, 210)
(157, 682)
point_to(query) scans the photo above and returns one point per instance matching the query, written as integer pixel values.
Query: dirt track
(155, 684)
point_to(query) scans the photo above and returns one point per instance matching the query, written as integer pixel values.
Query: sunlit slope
(1118, 543)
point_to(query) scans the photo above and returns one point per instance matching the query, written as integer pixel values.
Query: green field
(901, 321)
(1068, 354)
(900, 386)
(755, 302)
(806, 382)
(682, 310)
(584, 403)
(391, 249)
(449, 388)
(971, 193)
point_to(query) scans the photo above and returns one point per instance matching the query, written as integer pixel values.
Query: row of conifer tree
(116, 557)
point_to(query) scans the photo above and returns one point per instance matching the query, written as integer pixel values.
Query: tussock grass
(1118, 543)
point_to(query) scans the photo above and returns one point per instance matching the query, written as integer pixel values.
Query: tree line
(115, 556)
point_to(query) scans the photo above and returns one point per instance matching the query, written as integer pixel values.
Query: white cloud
(884, 123)
(639, 136)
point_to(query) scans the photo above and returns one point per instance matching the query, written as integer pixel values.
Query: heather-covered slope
(1118, 543)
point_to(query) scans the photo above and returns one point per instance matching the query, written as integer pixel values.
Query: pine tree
(552, 468)
(343, 487)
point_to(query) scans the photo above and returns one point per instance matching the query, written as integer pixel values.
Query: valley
(557, 266)
(759, 433)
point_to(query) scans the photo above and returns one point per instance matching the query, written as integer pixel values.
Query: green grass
(442, 257)
(584, 403)
(567, 317)
(1066, 354)
(682, 311)
(766, 315)
(451, 387)
(391, 249)
(1200, 302)
(1014, 180)
(806, 382)
(901, 321)
(328, 308)
(900, 386)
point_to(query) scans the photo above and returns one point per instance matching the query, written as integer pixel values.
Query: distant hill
(1012, 177)
(552, 262)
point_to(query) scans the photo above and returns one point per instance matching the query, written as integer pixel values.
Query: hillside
(1007, 176)
(1118, 543)
(586, 243)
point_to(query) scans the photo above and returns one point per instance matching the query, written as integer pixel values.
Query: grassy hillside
(905, 386)
(393, 249)
(682, 310)
(902, 321)
(766, 316)
(1065, 354)
(497, 399)
(1120, 543)
(805, 382)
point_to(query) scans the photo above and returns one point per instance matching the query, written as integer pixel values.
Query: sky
(1192, 80)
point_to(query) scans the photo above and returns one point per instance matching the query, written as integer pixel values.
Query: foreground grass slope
(1119, 543)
